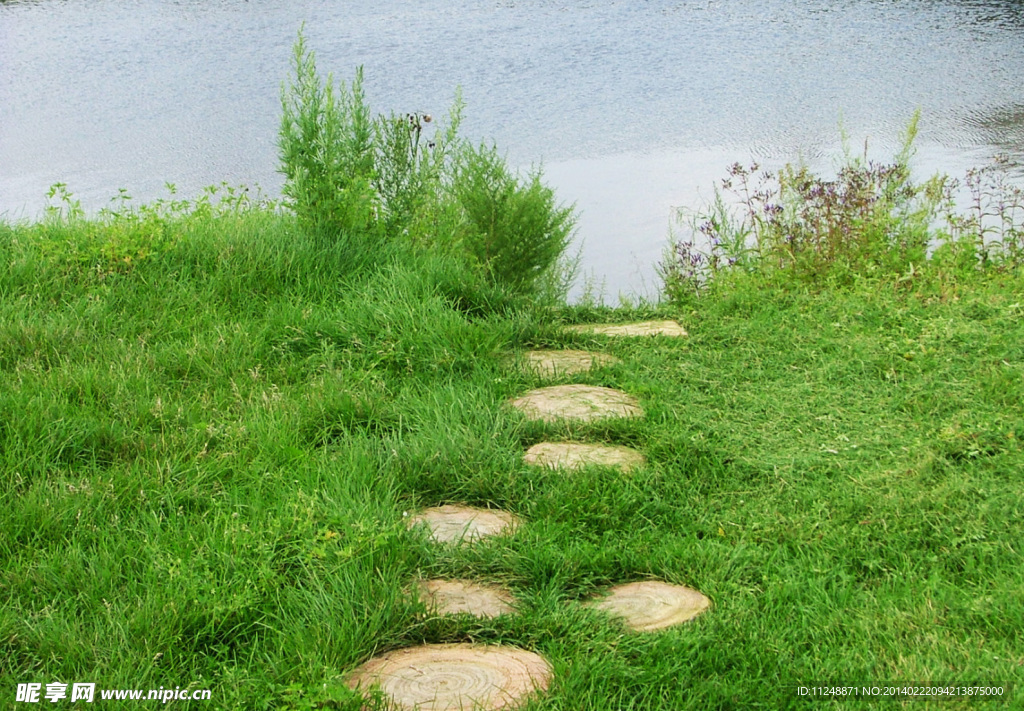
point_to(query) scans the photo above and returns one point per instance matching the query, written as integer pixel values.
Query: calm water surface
(632, 107)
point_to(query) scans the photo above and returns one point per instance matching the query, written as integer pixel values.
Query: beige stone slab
(462, 524)
(576, 455)
(640, 328)
(449, 677)
(652, 605)
(550, 364)
(577, 402)
(450, 597)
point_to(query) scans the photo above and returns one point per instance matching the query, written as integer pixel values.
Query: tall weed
(412, 170)
(327, 151)
(991, 231)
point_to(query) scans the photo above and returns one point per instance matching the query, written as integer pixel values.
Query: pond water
(633, 107)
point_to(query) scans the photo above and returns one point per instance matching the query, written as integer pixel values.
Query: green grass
(209, 448)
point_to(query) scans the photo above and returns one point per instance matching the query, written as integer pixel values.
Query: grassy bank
(208, 455)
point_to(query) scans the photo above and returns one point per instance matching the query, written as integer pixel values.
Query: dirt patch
(641, 328)
(577, 402)
(551, 364)
(462, 524)
(455, 676)
(452, 597)
(652, 605)
(576, 455)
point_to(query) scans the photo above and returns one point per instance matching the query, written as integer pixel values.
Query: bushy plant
(512, 226)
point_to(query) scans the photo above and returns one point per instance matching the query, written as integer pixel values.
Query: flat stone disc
(575, 455)
(550, 364)
(577, 402)
(461, 524)
(640, 328)
(455, 677)
(450, 597)
(652, 605)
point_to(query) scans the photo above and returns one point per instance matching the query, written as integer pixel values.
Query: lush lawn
(208, 450)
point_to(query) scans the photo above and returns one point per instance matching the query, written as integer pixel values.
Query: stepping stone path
(642, 328)
(576, 455)
(577, 402)
(462, 524)
(550, 364)
(652, 605)
(484, 677)
(455, 676)
(451, 597)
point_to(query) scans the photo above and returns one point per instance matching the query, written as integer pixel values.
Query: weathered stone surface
(652, 605)
(449, 597)
(451, 677)
(462, 524)
(551, 364)
(641, 328)
(576, 455)
(577, 402)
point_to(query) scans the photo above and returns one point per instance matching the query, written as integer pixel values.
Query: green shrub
(512, 226)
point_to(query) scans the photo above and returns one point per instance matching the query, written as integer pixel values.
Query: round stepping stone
(461, 524)
(577, 402)
(451, 597)
(641, 328)
(652, 605)
(550, 364)
(455, 676)
(574, 455)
